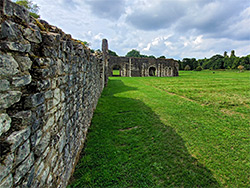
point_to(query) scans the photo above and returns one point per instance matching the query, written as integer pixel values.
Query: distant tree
(187, 68)
(162, 57)
(232, 53)
(191, 62)
(112, 53)
(33, 8)
(225, 54)
(151, 56)
(133, 53)
(241, 68)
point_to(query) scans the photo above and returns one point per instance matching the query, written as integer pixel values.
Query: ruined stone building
(139, 67)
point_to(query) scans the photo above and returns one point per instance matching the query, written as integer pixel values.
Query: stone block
(32, 35)
(50, 39)
(15, 46)
(43, 85)
(7, 183)
(49, 123)
(8, 65)
(35, 138)
(34, 100)
(25, 116)
(44, 176)
(4, 85)
(23, 152)
(62, 141)
(49, 94)
(6, 166)
(24, 62)
(10, 31)
(9, 98)
(5, 123)
(21, 80)
(16, 138)
(42, 145)
(24, 168)
(40, 169)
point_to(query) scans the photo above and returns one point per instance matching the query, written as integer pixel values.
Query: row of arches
(152, 71)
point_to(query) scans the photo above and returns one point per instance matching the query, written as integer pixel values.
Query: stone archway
(168, 71)
(116, 70)
(152, 71)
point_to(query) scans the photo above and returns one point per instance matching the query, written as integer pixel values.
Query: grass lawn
(116, 72)
(186, 131)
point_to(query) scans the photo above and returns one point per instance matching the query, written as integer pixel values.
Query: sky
(174, 28)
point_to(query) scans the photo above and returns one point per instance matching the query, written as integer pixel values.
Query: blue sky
(173, 28)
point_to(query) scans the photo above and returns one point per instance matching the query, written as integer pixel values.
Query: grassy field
(186, 131)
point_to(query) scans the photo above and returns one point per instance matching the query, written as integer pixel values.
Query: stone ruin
(49, 87)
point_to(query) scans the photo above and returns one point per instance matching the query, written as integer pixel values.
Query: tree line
(217, 62)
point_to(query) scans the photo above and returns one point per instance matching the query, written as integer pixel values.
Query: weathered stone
(43, 85)
(15, 46)
(5, 123)
(9, 98)
(51, 39)
(4, 85)
(24, 62)
(34, 100)
(50, 179)
(32, 35)
(25, 116)
(23, 152)
(21, 81)
(57, 94)
(10, 31)
(49, 123)
(44, 142)
(24, 168)
(40, 169)
(16, 138)
(48, 94)
(6, 166)
(8, 65)
(62, 141)
(35, 139)
(44, 176)
(8, 182)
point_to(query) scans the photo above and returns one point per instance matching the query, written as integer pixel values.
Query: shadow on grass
(128, 146)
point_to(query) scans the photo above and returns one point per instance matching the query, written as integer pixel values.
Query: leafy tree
(151, 56)
(112, 53)
(232, 53)
(33, 8)
(133, 53)
(191, 62)
(162, 57)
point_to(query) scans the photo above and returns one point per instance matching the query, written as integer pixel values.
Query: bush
(199, 68)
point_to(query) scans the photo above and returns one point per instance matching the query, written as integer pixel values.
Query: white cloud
(180, 28)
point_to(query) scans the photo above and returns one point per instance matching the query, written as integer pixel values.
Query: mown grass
(187, 131)
(116, 72)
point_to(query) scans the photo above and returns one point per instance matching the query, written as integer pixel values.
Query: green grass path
(187, 131)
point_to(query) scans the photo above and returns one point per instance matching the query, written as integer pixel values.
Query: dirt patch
(128, 129)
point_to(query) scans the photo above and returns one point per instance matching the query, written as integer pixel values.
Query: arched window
(152, 71)
(116, 71)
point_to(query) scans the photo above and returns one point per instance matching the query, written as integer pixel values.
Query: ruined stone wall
(140, 67)
(49, 87)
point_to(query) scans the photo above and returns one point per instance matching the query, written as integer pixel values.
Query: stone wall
(49, 87)
(140, 67)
